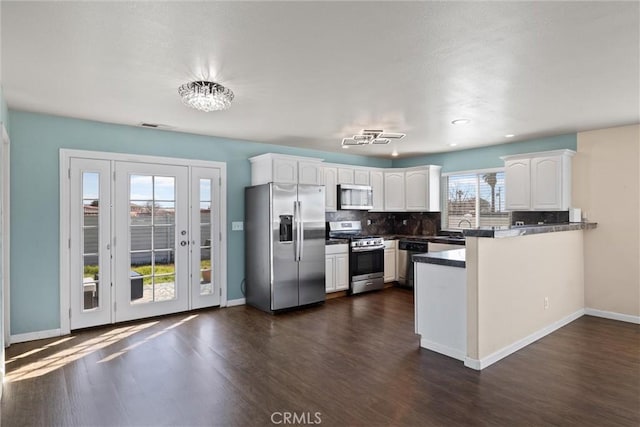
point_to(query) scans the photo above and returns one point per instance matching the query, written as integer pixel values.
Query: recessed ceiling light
(453, 144)
(460, 122)
(510, 135)
(394, 153)
(345, 147)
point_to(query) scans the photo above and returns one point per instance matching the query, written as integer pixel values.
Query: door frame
(6, 236)
(65, 226)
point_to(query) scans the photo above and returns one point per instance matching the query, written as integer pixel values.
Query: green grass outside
(145, 270)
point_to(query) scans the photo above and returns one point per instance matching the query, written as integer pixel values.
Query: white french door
(90, 242)
(205, 244)
(144, 239)
(151, 240)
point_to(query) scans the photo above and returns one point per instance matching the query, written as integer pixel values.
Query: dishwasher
(407, 249)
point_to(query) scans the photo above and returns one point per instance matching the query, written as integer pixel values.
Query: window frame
(444, 195)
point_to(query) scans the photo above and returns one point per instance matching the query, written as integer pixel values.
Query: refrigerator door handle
(301, 228)
(296, 233)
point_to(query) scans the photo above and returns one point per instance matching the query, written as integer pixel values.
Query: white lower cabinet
(390, 261)
(336, 268)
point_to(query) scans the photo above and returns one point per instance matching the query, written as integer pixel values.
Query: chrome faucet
(464, 220)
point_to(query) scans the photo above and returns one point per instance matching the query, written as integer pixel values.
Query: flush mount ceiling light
(371, 137)
(460, 122)
(205, 96)
(510, 135)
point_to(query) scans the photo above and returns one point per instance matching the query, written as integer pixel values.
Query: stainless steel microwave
(355, 197)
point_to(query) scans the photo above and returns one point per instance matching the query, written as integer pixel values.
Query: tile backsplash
(535, 217)
(404, 223)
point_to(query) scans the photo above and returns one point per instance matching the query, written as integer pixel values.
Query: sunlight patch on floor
(71, 354)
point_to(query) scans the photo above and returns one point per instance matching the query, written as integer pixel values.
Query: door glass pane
(90, 282)
(90, 239)
(164, 237)
(141, 187)
(141, 238)
(164, 213)
(205, 213)
(152, 245)
(206, 285)
(140, 212)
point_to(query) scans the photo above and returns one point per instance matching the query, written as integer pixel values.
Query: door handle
(301, 231)
(296, 239)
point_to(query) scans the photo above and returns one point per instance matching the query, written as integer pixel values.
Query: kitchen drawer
(336, 249)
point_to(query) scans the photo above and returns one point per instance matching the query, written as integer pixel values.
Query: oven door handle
(367, 248)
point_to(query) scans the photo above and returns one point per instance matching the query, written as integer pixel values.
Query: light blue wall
(36, 140)
(488, 157)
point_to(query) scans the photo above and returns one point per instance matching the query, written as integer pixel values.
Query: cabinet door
(329, 273)
(389, 265)
(330, 181)
(546, 183)
(345, 176)
(394, 191)
(417, 188)
(517, 183)
(341, 272)
(285, 171)
(361, 176)
(308, 173)
(376, 179)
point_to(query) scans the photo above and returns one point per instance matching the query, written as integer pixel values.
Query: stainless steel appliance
(366, 256)
(284, 245)
(411, 247)
(355, 197)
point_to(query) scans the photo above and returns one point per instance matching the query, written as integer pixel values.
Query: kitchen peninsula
(509, 287)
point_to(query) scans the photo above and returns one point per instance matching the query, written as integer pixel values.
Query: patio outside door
(152, 240)
(144, 239)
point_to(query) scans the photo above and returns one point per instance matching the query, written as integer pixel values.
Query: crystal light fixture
(205, 96)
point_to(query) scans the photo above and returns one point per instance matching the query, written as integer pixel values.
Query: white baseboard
(443, 349)
(234, 302)
(32, 336)
(612, 315)
(512, 348)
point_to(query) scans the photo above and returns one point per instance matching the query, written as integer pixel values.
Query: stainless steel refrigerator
(284, 245)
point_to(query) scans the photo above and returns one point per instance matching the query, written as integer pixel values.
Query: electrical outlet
(237, 226)
(546, 303)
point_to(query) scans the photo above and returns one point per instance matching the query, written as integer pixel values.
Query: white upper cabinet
(394, 191)
(361, 177)
(345, 175)
(309, 172)
(422, 188)
(376, 180)
(538, 181)
(285, 169)
(330, 181)
(517, 179)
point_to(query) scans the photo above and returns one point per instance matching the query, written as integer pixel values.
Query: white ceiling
(307, 74)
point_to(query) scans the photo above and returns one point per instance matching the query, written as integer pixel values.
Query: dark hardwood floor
(353, 361)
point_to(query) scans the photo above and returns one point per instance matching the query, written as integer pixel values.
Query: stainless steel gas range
(366, 256)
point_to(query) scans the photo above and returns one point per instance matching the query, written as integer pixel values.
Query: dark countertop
(452, 258)
(434, 239)
(523, 230)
